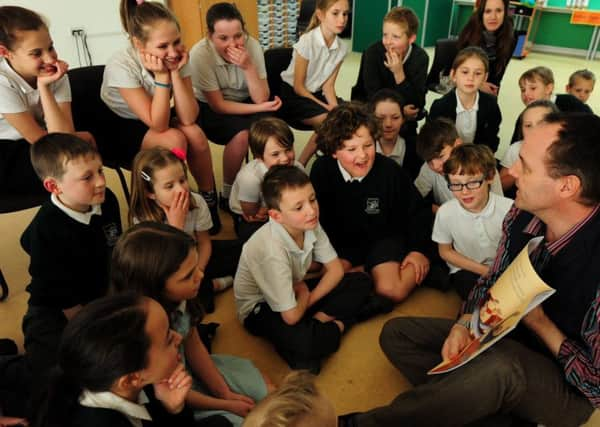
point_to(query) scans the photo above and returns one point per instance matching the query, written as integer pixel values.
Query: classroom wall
(99, 19)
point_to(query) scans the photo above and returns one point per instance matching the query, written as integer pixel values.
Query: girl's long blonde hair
(145, 165)
(323, 6)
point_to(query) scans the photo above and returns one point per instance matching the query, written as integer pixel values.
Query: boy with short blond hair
(303, 318)
(581, 85)
(436, 140)
(373, 214)
(467, 228)
(69, 240)
(272, 143)
(296, 403)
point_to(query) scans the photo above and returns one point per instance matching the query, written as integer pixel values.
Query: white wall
(99, 19)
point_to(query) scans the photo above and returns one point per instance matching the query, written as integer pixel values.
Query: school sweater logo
(372, 207)
(111, 233)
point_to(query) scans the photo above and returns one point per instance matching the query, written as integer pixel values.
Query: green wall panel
(368, 18)
(555, 29)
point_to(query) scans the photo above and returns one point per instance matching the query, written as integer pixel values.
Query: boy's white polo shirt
(512, 154)
(17, 96)
(271, 262)
(246, 186)
(474, 235)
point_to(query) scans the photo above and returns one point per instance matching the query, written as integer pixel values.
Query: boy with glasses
(467, 228)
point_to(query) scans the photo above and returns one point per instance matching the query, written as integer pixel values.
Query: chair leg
(123, 183)
(3, 287)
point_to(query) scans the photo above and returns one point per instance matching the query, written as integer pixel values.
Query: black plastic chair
(444, 54)
(307, 8)
(277, 60)
(91, 114)
(10, 203)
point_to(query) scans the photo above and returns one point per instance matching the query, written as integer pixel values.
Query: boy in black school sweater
(373, 214)
(70, 241)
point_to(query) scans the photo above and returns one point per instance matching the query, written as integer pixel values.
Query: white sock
(226, 191)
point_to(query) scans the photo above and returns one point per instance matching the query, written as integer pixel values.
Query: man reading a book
(547, 371)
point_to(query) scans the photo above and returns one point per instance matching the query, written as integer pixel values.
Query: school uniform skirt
(221, 128)
(297, 108)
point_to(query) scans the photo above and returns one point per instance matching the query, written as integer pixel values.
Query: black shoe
(8, 347)
(224, 204)
(375, 304)
(207, 332)
(348, 420)
(216, 220)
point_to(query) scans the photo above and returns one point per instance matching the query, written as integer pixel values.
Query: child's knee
(174, 138)
(395, 289)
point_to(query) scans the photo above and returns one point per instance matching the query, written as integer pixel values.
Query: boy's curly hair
(342, 123)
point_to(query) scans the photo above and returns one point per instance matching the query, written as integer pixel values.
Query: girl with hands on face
(35, 96)
(118, 365)
(140, 84)
(161, 262)
(230, 83)
(160, 192)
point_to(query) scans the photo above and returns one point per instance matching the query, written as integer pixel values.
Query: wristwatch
(464, 322)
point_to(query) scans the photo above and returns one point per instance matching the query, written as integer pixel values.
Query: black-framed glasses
(471, 185)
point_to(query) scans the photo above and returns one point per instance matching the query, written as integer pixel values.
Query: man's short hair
(265, 128)
(434, 136)
(576, 152)
(342, 123)
(280, 178)
(50, 154)
(471, 159)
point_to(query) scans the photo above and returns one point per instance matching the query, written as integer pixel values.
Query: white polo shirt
(474, 235)
(17, 96)
(271, 262)
(466, 120)
(322, 60)
(125, 70)
(428, 181)
(246, 187)
(397, 153)
(135, 412)
(211, 72)
(512, 154)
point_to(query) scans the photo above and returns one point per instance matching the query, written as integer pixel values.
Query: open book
(516, 292)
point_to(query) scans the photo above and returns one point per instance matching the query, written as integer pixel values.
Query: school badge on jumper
(111, 233)
(372, 206)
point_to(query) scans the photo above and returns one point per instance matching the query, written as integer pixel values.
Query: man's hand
(458, 338)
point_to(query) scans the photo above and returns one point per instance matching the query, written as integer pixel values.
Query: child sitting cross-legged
(436, 140)
(159, 261)
(303, 318)
(272, 143)
(373, 214)
(467, 229)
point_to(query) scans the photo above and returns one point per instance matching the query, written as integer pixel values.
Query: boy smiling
(373, 214)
